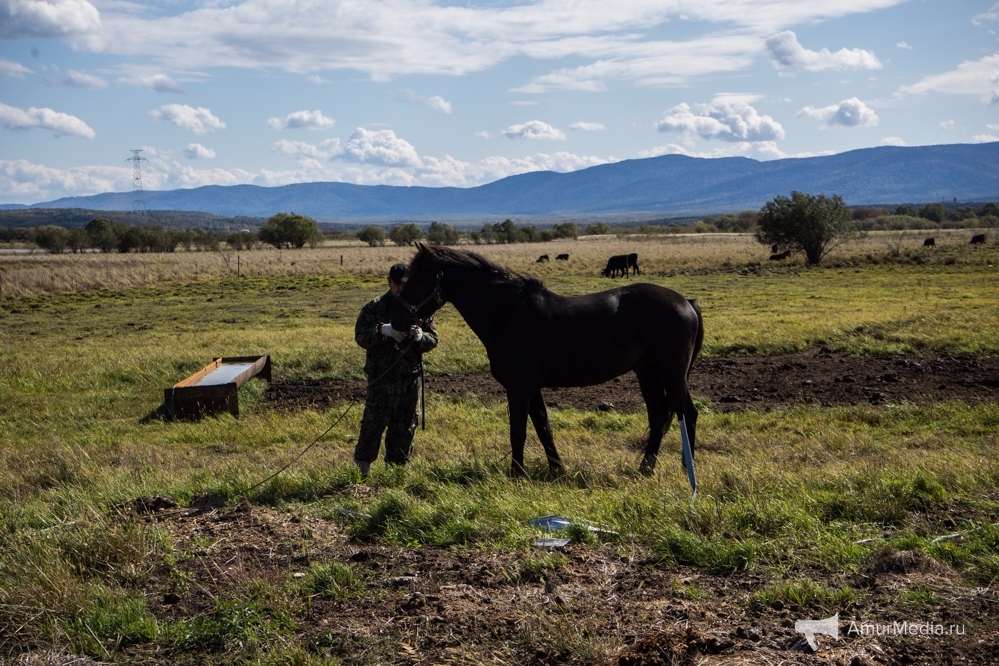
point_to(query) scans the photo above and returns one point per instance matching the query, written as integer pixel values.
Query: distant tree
(565, 230)
(290, 230)
(597, 228)
(442, 234)
(806, 223)
(991, 208)
(241, 240)
(906, 209)
(935, 212)
(405, 234)
(128, 238)
(102, 234)
(79, 241)
(52, 238)
(372, 235)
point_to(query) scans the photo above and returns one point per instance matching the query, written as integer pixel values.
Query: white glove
(416, 333)
(389, 332)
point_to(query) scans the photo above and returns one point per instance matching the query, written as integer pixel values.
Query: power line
(138, 199)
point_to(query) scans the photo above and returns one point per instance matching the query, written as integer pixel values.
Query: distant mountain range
(670, 185)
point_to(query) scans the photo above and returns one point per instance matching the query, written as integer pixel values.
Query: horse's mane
(448, 258)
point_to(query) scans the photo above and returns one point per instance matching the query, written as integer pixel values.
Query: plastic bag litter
(558, 523)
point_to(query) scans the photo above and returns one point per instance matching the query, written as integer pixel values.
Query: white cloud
(978, 77)
(893, 141)
(310, 120)
(848, 113)
(13, 70)
(484, 134)
(436, 102)
(534, 129)
(76, 21)
(784, 50)
(947, 124)
(587, 127)
(156, 82)
(381, 147)
(198, 120)
(523, 102)
(76, 79)
(993, 127)
(325, 149)
(60, 124)
(315, 78)
(984, 138)
(903, 45)
(195, 151)
(990, 15)
(387, 39)
(24, 182)
(725, 118)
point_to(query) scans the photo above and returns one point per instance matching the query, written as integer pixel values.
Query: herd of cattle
(624, 263)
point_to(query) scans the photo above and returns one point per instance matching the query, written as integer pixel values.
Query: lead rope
(353, 401)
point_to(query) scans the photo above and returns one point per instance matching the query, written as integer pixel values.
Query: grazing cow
(774, 248)
(930, 242)
(562, 257)
(616, 264)
(978, 239)
(779, 256)
(542, 258)
(633, 262)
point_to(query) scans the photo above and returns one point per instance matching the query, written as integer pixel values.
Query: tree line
(105, 235)
(491, 233)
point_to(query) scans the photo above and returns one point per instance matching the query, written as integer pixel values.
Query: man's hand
(389, 332)
(416, 333)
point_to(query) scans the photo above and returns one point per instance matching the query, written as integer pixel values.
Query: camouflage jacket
(382, 352)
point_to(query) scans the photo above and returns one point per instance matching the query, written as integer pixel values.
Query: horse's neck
(480, 303)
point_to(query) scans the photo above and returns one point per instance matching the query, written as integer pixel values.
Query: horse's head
(421, 295)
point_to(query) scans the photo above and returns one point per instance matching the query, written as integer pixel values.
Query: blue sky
(417, 92)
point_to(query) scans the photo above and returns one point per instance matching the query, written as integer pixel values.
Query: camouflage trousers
(395, 412)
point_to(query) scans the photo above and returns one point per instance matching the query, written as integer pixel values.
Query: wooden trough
(215, 387)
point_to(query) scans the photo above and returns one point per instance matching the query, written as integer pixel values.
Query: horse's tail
(699, 341)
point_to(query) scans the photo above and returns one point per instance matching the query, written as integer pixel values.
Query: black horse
(536, 338)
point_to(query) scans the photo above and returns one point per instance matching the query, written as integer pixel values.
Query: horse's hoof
(558, 470)
(648, 467)
(518, 471)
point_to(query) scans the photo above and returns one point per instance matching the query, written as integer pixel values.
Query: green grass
(784, 493)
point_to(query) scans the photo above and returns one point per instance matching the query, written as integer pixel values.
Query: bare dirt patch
(602, 605)
(816, 376)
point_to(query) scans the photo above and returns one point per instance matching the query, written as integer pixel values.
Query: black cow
(978, 239)
(774, 248)
(542, 258)
(633, 262)
(779, 256)
(616, 264)
(562, 257)
(930, 242)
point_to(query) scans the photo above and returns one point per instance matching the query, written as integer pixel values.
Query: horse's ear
(421, 248)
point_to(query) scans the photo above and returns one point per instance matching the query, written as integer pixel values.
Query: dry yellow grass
(37, 274)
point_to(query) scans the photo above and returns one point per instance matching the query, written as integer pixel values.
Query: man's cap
(397, 273)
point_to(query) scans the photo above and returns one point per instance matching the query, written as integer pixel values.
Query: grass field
(786, 497)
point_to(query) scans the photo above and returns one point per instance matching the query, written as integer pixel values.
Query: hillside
(666, 185)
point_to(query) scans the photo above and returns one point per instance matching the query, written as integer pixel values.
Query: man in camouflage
(393, 390)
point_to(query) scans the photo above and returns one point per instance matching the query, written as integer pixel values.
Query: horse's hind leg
(679, 399)
(660, 417)
(539, 416)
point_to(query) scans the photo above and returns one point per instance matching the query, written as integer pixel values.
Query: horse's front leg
(518, 401)
(539, 417)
